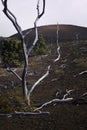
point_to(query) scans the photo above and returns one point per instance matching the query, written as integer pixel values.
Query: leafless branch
(83, 72)
(58, 47)
(37, 82)
(11, 17)
(35, 25)
(65, 99)
(68, 92)
(13, 71)
(27, 33)
(84, 94)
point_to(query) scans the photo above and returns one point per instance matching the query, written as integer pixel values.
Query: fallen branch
(23, 114)
(62, 101)
(80, 100)
(53, 101)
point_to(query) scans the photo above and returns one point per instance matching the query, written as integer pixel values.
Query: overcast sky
(62, 11)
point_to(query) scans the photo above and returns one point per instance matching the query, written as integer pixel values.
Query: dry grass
(62, 116)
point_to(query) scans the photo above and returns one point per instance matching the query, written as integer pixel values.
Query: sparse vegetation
(65, 82)
(61, 77)
(61, 74)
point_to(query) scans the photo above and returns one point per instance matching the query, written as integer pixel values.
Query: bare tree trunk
(26, 51)
(13, 19)
(24, 74)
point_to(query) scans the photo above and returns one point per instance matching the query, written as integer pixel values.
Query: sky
(72, 12)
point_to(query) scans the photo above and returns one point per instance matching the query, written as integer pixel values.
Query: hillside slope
(64, 75)
(66, 33)
(69, 73)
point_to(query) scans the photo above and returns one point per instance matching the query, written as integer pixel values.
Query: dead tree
(26, 51)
